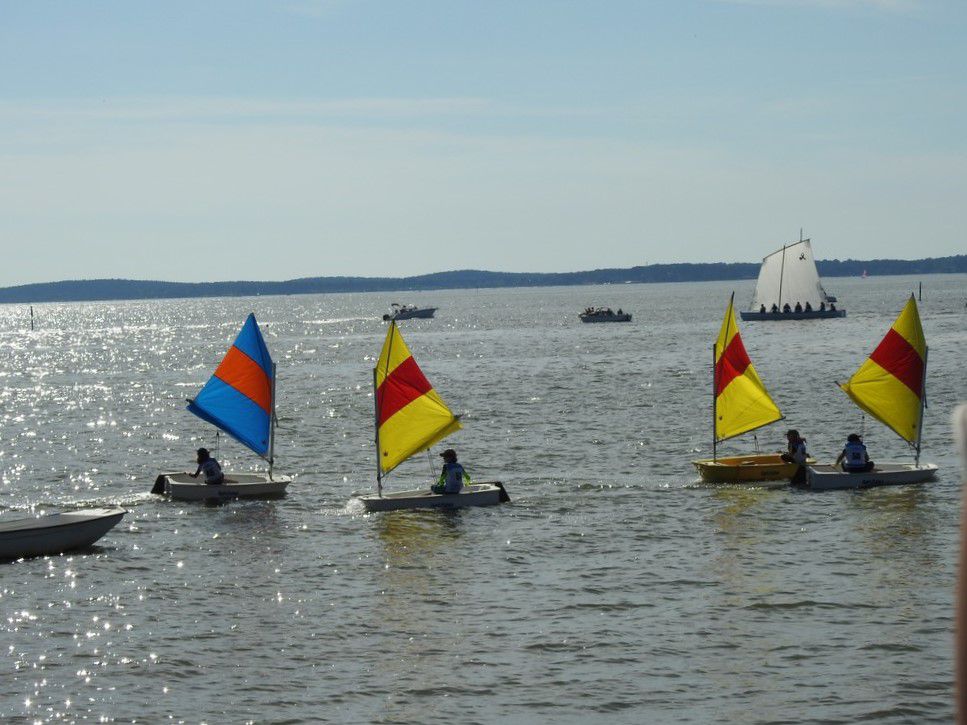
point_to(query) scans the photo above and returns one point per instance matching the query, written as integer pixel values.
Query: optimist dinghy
(56, 533)
(891, 387)
(239, 399)
(410, 417)
(740, 404)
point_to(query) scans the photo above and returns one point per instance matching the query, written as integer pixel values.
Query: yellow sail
(741, 401)
(410, 415)
(889, 385)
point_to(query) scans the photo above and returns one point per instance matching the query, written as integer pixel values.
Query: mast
(272, 426)
(923, 404)
(715, 396)
(782, 273)
(379, 470)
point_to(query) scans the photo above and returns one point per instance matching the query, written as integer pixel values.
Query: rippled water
(613, 588)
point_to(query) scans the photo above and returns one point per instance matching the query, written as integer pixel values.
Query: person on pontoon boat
(854, 456)
(208, 465)
(452, 476)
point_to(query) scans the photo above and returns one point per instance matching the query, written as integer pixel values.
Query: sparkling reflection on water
(613, 587)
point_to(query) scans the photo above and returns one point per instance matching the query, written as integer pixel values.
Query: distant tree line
(128, 289)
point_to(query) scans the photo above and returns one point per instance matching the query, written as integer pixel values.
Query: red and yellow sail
(410, 415)
(889, 385)
(741, 401)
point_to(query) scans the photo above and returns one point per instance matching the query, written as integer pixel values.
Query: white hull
(56, 533)
(237, 485)
(477, 494)
(831, 478)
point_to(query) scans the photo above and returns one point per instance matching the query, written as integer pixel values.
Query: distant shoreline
(100, 290)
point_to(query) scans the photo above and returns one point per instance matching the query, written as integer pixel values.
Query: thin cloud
(891, 6)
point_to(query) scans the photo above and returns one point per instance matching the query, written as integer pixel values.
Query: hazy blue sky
(256, 140)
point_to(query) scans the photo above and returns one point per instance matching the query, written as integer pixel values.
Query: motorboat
(604, 314)
(410, 416)
(238, 399)
(56, 533)
(789, 288)
(408, 312)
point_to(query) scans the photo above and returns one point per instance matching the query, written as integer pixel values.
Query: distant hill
(129, 289)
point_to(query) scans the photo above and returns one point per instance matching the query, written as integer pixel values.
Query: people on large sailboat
(808, 307)
(822, 306)
(762, 309)
(452, 476)
(786, 308)
(832, 306)
(854, 456)
(798, 307)
(209, 466)
(775, 308)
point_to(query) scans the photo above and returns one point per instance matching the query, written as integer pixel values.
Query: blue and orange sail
(239, 397)
(890, 384)
(410, 414)
(741, 400)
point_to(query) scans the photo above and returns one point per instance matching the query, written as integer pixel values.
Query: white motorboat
(890, 386)
(604, 314)
(183, 486)
(408, 312)
(239, 399)
(826, 477)
(56, 533)
(788, 287)
(410, 417)
(476, 494)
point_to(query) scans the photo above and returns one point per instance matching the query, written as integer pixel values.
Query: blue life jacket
(856, 457)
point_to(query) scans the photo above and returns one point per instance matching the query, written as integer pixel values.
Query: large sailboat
(890, 386)
(740, 404)
(788, 287)
(238, 399)
(410, 417)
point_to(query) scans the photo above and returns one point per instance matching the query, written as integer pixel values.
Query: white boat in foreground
(476, 494)
(825, 477)
(890, 386)
(182, 486)
(56, 533)
(410, 417)
(239, 399)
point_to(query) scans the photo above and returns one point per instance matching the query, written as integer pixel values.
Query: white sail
(789, 276)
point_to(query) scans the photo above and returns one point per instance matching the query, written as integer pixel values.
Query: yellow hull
(742, 469)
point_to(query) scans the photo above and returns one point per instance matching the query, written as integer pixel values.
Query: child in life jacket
(854, 457)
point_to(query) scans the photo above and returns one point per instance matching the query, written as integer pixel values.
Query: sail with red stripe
(890, 384)
(410, 415)
(238, 398)
(741, 400)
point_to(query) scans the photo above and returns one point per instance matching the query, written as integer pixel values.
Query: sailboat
(788, 287)
(740, 404)
(239, 399)
(410, 417)
(891, 386)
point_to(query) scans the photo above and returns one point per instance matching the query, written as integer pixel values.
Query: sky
(192, 141)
